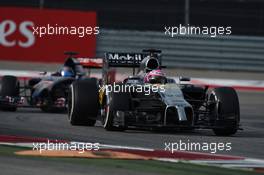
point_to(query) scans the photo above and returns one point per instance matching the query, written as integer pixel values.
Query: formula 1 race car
(170, 104)
(47, 92)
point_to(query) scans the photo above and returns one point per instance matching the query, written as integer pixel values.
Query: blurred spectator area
(246, 17)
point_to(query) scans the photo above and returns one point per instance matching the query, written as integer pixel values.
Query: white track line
(102, 146)
(244, 164)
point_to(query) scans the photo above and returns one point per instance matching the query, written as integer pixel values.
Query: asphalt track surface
(33, 123)
(25, 166)
(248, 143)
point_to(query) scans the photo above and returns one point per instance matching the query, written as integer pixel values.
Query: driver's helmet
(67, 72)
(155, 77)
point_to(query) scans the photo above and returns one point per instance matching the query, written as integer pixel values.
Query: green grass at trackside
(150, 166)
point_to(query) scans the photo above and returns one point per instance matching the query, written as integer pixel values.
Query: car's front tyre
(83, 102)
(225, 113)
(115, 104)
(9, 88)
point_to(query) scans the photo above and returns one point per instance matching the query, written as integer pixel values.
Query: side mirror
(185, 79)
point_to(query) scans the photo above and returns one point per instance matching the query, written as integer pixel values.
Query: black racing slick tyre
(83, 102)
(226, 112)
(115, 103)
(9, 87)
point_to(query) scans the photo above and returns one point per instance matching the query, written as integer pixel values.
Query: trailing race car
(48, 92)
(169, 104)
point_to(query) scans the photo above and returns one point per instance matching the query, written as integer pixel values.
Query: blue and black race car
(49, 92)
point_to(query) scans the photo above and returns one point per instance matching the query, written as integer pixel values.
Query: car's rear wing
(91, 62)
(85, 62)
(124, 59)
(130, 59)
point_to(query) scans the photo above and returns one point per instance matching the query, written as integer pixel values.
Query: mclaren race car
(170, 104)
(48, 92)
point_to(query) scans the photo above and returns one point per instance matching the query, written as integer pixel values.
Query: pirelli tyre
(115, 104)
(225, 113)
(83, 102)
(10, 88)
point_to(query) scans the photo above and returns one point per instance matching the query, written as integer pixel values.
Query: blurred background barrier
(245, 16)
(30, 34)
(134, 25)
(203, 52)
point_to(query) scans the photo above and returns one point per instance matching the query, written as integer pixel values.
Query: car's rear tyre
(225, 113)
(9, 87)
(114, 103)
(83, 102)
